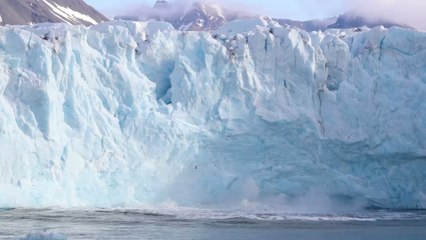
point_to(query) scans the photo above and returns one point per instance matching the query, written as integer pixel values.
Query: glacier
(124, 114)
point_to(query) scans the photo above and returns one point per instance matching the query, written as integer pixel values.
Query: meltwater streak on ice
(124, 114)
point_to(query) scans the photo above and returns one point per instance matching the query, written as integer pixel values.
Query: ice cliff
(126, 114)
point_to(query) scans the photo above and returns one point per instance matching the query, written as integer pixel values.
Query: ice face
(126, 113)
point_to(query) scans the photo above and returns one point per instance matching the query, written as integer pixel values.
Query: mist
(409, 12)
(145, 9)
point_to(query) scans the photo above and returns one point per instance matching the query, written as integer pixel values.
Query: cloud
(144, 9)
(410, 12)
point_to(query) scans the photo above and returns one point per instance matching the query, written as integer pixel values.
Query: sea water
(208, 225)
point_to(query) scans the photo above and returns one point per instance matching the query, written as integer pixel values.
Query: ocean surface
(208, 225)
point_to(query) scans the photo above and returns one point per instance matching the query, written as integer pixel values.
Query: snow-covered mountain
(205, 16)
(133, 113)
(344, 21)
(352, 20)
(198, 16)
(20, 12)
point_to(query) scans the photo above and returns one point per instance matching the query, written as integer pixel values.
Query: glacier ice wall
(126, 113)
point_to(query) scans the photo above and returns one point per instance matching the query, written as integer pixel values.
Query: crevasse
(130, 113)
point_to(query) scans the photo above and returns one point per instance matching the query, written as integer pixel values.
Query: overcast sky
(411, 12)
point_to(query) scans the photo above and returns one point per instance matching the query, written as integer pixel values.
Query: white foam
(45, 236)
